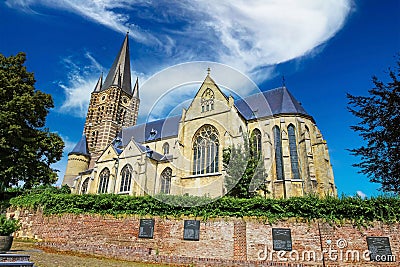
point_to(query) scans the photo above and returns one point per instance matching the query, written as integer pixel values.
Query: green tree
(245, 173)
(237, 181)
(380, 128)
(27, 148)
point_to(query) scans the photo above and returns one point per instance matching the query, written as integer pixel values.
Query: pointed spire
(117, 78)
(122, 66)
(81, 147)
(136, 88)
(99, 83)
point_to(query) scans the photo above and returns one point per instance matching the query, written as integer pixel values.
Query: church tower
(78, 161)
(113, 105)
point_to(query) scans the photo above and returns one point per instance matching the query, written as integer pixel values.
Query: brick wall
(223, 241)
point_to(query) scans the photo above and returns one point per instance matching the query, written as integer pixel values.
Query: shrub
(8, 226)
(331, 209)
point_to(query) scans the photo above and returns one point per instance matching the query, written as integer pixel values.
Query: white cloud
(249, 35)
(259, 32)
(81, 82)
(361, 194)
(99, 11)
(245, 34)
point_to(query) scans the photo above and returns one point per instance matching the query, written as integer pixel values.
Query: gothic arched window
(205, 150)
(278, 153)
(207, 100)
(126, 178)
(294, 159)
(166, 180)
(256, 142)
(104, 177)
(165, 148)
(85, 186)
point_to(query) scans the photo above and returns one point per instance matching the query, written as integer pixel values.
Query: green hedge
(355, 209)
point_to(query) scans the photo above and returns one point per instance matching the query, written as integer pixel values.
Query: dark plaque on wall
(191, 230)
(282, 239)
(146, 229)
(379, 247)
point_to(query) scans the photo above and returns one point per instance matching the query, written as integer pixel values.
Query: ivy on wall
(335, 210)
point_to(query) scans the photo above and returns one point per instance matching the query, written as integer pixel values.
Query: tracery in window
(278, 153)
(85, 186)
(104, 177)
(294, 159)
(206, 150)
(126, 178)
(256, 142)
(165, 148)
(207, 100)
(166, 180)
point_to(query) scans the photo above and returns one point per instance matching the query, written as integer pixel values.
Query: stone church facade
(184, 154)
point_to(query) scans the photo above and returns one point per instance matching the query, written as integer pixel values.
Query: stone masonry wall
(223, 241)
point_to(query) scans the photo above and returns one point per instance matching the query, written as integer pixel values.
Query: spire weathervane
(208, 71)
(283, 81)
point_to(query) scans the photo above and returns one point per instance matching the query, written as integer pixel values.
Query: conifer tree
(380, 128)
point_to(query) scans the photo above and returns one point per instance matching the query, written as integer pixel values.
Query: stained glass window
(104, 178)
(256, 142)
(166, 180)
(126, 178)
(294, 159)
(278, 153)
(206, 150)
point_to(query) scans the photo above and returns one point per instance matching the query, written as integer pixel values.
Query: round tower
(78, 161)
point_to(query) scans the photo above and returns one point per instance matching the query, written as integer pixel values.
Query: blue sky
(323, 48)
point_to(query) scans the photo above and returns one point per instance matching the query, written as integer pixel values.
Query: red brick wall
(223, 241)
(339, 242)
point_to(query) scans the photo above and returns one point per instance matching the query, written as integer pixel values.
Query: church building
(184, 154)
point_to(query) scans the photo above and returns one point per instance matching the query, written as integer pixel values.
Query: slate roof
(81, 147)
(121, 68)
(269, 103)
(264, 104)
(153, 130)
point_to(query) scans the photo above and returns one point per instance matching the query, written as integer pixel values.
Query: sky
(323, 48)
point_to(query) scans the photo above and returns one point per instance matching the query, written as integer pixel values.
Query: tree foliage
(237, 181)
(380, 128)
(27, 148)
(245, 173)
